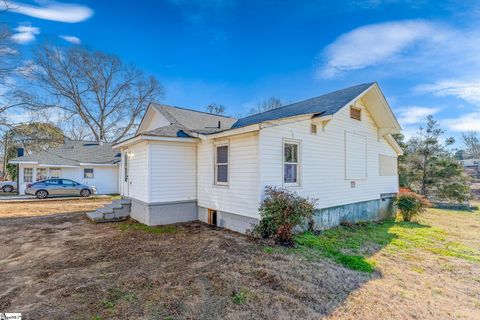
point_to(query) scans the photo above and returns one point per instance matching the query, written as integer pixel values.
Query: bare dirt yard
(61, 266)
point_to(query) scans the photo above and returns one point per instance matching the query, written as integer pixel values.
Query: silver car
(58, 187)
(8, 186)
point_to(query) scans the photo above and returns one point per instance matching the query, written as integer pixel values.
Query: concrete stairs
(118, 210)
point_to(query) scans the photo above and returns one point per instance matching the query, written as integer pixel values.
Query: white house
(185, 165)
(92, 163)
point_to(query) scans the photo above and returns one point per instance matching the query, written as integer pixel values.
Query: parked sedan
(59, 187)
(8, 186)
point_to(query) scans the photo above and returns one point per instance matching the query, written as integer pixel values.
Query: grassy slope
(439, 232)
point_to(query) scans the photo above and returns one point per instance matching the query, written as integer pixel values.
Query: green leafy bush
(280, 212)
(410, 204)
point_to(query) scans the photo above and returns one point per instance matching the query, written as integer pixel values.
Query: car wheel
(85, 193)
(7, 189)
(41, 194)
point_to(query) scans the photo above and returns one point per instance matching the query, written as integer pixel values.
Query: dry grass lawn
(62, 266)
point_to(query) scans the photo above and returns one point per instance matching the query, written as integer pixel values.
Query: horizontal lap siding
(173, 171)
(323, 160)
(138, 171)
(242, 195)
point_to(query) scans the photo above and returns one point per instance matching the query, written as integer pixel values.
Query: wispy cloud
(467, 122)
(25, 34)
(415, 115)
(466, 90)
(50, 10)
(375, 44)
(197, 11)
(71, 39)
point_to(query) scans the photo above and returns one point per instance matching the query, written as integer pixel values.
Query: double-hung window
(291, 163)
(27, 174)
(88, 173)
(42, 174)
(221, 164)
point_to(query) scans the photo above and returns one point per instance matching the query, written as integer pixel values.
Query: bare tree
(94, 89)
(214, 108)
(268, 104)
(472, 144)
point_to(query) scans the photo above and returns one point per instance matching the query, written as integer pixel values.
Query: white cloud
(71, 39)
(466, 90)
(50, 10)
(25, 34)
(467, 122)
(415, 115)
(375, 44)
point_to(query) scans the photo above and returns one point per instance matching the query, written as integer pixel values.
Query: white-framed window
(291, 163)
(55, 172)
(27, 174)
(125, 167)
(221, 164)
(88, 173)
(42, 174)
(356, 113)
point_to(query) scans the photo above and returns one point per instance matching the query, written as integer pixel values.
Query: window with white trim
(221, 164)
(88, 173)
(42, 174)
(55, 172)
(27, 174)
(291, 163)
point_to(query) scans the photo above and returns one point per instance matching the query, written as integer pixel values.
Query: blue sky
(424, 54)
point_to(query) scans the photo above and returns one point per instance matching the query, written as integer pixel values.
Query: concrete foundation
(372, 210)
(154, 214)
(228, 220)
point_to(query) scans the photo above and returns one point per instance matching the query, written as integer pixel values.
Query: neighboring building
(185, 165)
(470, 162)
(92, 163)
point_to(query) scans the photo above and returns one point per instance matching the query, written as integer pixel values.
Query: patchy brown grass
(64, 267)
(49, 207)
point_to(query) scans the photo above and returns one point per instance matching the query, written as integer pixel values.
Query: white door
(126, 174)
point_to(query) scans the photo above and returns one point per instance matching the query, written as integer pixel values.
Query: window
(55, 172)
(291, 163)
(41, 174)
(356, 113)
(54, 182)
(221, 164)
(387, 165)
(313, 129)
(70, 183)
(27, 174)
(88, 173)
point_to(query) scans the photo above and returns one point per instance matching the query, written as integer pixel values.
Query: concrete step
(114, 205)
(122, 201)
(105, 210)
(94, 216)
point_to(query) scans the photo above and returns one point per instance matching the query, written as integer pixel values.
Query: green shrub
(280, 212)
(410, 204)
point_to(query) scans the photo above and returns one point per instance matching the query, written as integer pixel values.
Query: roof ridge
(193, 110)
(305, 100)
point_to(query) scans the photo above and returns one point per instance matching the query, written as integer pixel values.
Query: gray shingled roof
(187, 122)
(75, 152)
(327, 104)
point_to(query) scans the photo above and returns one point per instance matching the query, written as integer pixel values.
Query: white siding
(172, 171)
(138, 171)
(242, 194)
(323, 174)
(153, 119)
(105, 178)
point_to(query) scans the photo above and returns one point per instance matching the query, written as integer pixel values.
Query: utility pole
(5, 147)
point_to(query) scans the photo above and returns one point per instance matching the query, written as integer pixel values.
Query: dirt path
(64, 267)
